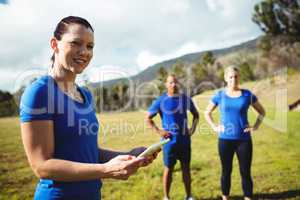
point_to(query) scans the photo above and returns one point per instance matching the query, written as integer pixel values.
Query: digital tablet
(153, 148)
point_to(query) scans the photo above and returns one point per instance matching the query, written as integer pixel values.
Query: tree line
(8, 105)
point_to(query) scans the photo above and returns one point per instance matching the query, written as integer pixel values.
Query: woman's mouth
(79, 60)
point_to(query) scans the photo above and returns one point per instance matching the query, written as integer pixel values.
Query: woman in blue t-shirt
(59, 125)
(234, 130)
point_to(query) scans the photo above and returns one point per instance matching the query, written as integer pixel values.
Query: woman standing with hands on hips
(59, 125)
(234, 130)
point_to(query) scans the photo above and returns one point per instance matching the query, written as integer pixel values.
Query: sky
(130, 35)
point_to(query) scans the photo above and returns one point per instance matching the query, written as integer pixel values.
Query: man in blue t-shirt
(172, 107)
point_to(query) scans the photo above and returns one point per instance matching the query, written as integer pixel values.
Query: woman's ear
(53, 44)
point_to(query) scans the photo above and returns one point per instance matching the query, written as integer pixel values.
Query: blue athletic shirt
(233, 112)
(75, 134)
(173, 113)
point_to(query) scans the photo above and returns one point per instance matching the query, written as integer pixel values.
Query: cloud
(225, 7)
(229, 37)
(130, 34)
(14, 79)
(175, 7)
(231, 8)
(6, 76)
(147, 58)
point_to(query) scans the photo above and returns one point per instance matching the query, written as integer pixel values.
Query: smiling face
(232, 78)
(75, 49)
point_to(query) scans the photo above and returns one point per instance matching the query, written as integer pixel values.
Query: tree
(246, 73)
(162, 74)
(265, 18)
(276, 17)
(220, 71)
(208, 58)
(201, 69)
(8, 106)
(178, 69)
(102, 100)
(265, 45)
(199, 72)
(280, 20)
(119, 96)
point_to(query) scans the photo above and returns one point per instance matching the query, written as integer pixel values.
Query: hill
(150, 73)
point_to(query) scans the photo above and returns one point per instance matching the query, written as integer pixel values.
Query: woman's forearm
(259, 120)
(120, 167)
(64, 170)
(209, 119)
(261, 114)
(106, 155)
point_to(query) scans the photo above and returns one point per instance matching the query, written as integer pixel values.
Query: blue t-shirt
(234, 112)
(173, 113)
(75, 133)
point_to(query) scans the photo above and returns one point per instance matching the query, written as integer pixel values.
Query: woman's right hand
(164, 134)
(218, 128)
(123, 166)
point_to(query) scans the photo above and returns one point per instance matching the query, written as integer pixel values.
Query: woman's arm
(106, 155)
(38, 140)
(261, 114)
(208, 116)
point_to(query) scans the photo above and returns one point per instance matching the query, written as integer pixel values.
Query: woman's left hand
(149, 159)
(250, 129)
(191, 131)
(137, 151)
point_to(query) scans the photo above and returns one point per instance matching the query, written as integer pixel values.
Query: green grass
(275, 168)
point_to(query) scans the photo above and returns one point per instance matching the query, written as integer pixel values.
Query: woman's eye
(74, 43)
(90, 47)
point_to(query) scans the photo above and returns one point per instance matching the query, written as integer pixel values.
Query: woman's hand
(123, 166)
(137, 151)
(164, 134)
(218, 128)
(250, 129)
(191, 131)
(148, 160)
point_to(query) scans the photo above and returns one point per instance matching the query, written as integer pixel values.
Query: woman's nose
(83, 50)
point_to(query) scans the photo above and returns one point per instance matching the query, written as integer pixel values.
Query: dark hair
(62, 27)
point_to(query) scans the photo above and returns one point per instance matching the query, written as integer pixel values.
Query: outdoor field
(276, 161)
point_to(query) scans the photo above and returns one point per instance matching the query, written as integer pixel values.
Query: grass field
(275, 169)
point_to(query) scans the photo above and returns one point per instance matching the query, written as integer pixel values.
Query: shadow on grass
(280, 195)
